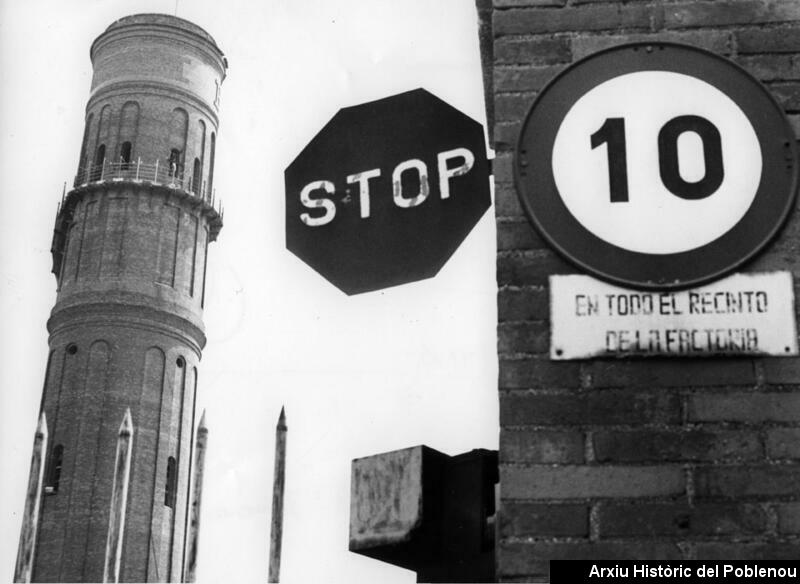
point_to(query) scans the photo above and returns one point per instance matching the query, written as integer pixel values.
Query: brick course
(716, 41)
(676, 445)
(758, 41)
(681, 519)
(522, 304)
(612, 407)
(595, 18)
(537, 519)
(542, 446)
(747, 481)
(744, 407)
(789, 518)
(590, 482)
(730, 12)
(783, 443)
(518, 235)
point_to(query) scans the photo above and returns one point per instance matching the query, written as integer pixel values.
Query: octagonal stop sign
(387, 191)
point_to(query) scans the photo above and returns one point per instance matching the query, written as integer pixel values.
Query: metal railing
(157, 173)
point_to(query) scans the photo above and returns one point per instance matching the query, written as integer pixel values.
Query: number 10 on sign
(681, 167)
(612, 133)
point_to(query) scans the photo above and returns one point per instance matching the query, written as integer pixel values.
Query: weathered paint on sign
(744, 314)
(385, 193)
(385, 498)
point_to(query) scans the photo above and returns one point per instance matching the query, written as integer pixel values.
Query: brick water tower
(130, 256)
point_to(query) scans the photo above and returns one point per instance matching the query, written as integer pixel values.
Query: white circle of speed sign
(623, 129)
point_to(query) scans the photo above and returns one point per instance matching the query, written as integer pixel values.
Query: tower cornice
(164, 26)
(127, 311)
(135, 86)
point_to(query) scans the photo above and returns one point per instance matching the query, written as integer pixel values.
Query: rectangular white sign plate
(743, 314)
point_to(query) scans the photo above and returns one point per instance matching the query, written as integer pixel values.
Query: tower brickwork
(130, 257)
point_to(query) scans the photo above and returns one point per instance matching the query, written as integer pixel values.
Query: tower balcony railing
(166, 175)
(157, 173)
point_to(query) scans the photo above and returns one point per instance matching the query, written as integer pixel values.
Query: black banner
(673, 572)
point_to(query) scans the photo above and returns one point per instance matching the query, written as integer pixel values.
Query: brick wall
(636, 459)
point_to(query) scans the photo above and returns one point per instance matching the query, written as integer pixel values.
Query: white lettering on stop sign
(402, 199)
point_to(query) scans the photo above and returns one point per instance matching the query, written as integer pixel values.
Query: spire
(202, 427)
(41, 427)
(126, 427)
(30, 518)
(276, 533)
(119, 499)
(197, 495)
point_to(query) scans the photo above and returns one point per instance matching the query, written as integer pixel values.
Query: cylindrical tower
(129, 255)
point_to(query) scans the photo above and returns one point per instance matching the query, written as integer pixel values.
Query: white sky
(359, 375)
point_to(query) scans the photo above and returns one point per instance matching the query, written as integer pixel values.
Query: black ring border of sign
(771, 206)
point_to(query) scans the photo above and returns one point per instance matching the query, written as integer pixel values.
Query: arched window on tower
(209, 191)
(196, 177)
(125, 153)
(177, 137)
(99, 161)
(82, 163)
(100, 155)
(171, 488)
(174, 162)
(54, 470)
(200, 175)
(128, 124)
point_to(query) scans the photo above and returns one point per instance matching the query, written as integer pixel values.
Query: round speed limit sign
(656, 165)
